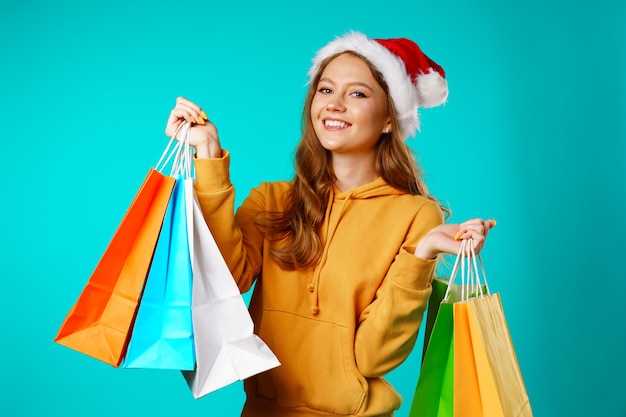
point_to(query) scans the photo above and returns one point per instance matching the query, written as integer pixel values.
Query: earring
(387, 130)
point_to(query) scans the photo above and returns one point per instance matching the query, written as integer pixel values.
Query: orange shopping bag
(100, 323)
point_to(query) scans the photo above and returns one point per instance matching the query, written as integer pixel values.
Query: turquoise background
(533, 135)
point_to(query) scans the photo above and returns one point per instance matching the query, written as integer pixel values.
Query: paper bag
(489, 397)
(99, 323)
(227, 350)
(162, 335)
(485, 379)
(467, 398)
(434, 392)
(493, 333)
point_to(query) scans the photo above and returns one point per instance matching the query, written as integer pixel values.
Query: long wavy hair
(295, 232)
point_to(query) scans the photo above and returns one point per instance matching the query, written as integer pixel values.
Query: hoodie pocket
(317, 369)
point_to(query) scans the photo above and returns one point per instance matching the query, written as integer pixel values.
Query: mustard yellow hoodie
(339, 327)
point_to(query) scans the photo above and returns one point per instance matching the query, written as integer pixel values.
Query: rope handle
(472, 280)
(180, 152)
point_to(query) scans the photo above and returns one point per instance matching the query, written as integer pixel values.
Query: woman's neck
(353, 171)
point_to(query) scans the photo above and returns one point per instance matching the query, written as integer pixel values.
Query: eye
(324, 90)
(358, 94)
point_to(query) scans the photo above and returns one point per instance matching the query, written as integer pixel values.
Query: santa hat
(413, 78)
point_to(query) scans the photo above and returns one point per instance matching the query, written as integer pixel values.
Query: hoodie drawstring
(327, 234)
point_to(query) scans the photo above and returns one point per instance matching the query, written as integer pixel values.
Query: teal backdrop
(533, 135)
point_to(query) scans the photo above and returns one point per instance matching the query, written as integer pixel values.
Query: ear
(387, 128)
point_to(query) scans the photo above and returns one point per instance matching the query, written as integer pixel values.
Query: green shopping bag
(440, 286)
(434, 392)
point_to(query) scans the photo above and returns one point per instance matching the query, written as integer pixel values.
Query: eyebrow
(352, 84)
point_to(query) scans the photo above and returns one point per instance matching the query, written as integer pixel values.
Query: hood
(376, 188)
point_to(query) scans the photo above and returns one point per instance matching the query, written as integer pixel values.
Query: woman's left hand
(447, 238)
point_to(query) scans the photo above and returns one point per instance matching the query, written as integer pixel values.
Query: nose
(334, 104)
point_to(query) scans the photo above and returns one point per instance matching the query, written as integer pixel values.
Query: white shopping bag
(227, 350)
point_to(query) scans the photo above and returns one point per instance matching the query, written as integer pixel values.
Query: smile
(336, 123)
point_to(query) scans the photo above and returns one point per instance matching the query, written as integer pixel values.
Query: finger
(194, 113)
(190, 113)
(174, 121)
(182, 113)
(467, 230)
(173, 124)
(487, 226)
(454, 246)
(477, 225)
(478, 242)
(477, 239)
(182, 101)
(176, 118)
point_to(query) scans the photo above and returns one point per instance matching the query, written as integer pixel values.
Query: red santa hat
(413, 78)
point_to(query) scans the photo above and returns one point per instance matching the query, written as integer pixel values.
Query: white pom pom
(432, 89)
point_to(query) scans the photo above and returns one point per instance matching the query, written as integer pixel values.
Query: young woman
(342, 255)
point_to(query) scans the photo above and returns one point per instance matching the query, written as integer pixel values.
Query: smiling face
(349, 110)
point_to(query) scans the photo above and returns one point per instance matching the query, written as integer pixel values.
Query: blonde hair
(294, 232)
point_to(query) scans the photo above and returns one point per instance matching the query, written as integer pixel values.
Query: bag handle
(482, 274)
(167, 154)
(182, 163)
(181, 152)
(467, 262)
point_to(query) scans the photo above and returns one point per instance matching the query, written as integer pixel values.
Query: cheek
(317, 127)
(316, 106)
(373, 114)
(382, 114)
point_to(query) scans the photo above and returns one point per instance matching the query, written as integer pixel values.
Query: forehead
(348, 67)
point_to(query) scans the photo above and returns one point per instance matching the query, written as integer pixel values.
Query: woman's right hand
(203, 134)
(447, 237)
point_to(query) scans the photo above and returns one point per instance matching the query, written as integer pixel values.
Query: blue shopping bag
(162, 335)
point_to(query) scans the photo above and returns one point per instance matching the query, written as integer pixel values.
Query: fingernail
(493, 223)
(456, 236)
(462, 236)
(202, 122)
(193, 120)
(203, 114)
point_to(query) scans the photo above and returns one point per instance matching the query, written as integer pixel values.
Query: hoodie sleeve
(240, 244)
(388, 327)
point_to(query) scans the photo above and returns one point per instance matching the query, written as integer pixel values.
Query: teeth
(335, 123)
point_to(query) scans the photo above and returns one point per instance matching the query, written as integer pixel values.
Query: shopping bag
(474, 385)
(162, 335)
(468, 389)
(496, 368)
(227, 350)
(491, 329)
(487, 381)
(467, 394)
(434, 391)
(439, 287)
(489, 397)
(99, 323)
